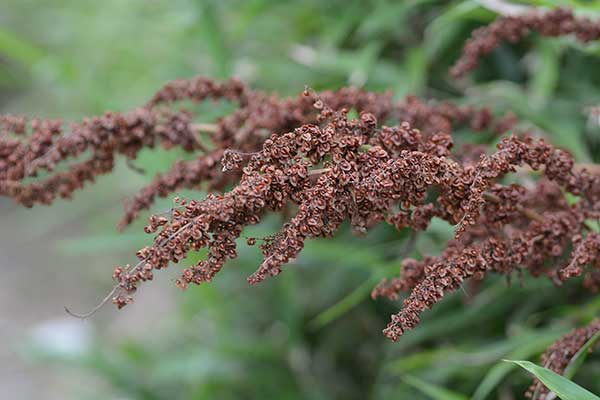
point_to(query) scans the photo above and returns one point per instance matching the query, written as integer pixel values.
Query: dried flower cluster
(308, 157)
(340, 169)
(517, 228)
(327, 168)
(30, 147)
(556, 22)
(560, 353)
(280, 173)
(40, 145)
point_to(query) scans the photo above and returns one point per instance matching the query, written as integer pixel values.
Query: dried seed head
(320, 169)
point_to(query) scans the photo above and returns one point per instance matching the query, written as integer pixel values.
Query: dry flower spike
(305, 158)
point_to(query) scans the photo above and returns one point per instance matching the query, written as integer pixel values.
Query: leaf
(415, 68)
(440, 33)
(214, 38)
(19, 50)
(433, 391)
(347, 303)
(385, 17)
(495, 375)
(579, 357)
(547, 70)
(424, 359)
(561, 386)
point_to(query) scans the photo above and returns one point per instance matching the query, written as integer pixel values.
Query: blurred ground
(31, 296)
(40, 276)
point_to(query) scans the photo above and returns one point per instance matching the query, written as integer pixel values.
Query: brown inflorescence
(560, 353)
(89, 148)
(308, 159)
(394, 163)
(28, 148)
(358, 170)
(306, 151)
(497, 232)
(306, 156)
(556, 22)
(236, 136)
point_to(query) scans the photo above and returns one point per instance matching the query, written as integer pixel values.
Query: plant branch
(116, 287)
(529, 213)
(204, 127)
(506, 8)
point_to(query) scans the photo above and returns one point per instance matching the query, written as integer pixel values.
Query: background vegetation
(313, 332)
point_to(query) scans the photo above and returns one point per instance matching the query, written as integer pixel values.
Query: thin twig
(529, 213)
(205, 127)
(318, 171)
(507, 9)
(590, 167)
(116, 287)
(96, 308)
(135, 168)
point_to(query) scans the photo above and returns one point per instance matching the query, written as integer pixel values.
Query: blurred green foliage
(313, 332)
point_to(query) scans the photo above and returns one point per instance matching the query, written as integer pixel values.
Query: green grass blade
(214, 37)
(561, 386)
(344, 305)
(495, 375)
(547, 72)
(433, 391)
(18, 49)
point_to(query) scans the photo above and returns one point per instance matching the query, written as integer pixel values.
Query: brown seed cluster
(560, 353)
(504, 228)
(237, 136)
(89, 147)
(279, 172)
(557, 22)
(307, 158)
(304, 156)
(359, 170)
(71, 157)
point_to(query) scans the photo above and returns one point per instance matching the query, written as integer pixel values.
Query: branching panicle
(304, 157)
(556, 22)
(330, 168)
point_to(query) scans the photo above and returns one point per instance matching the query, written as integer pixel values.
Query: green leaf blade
(433, 391)
(561, 386)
